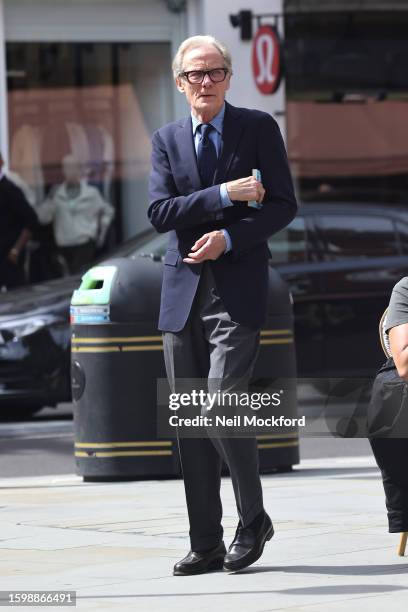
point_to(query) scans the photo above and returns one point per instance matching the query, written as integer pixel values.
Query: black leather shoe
(248, 545)
(201, 562)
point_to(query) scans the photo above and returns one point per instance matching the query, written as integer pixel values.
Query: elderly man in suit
(215, 281)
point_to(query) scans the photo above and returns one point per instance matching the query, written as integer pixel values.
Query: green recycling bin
(116, 354)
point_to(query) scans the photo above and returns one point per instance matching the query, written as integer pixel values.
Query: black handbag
(387, 421)
(387, 415)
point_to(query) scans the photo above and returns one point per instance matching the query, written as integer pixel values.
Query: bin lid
(95, 287)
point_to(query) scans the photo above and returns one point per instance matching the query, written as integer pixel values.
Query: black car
(339, 260)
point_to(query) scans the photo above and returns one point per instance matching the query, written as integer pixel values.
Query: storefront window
(97, 102)
(347, 105)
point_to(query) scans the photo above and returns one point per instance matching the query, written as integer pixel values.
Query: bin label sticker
(85, 315)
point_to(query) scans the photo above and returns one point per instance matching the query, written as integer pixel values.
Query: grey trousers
(213, 347)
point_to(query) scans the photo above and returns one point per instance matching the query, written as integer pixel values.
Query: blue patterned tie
(206, 155)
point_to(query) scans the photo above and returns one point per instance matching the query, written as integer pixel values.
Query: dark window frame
(321, 234)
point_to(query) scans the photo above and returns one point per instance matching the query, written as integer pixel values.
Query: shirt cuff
(225, 199)
(227, 240)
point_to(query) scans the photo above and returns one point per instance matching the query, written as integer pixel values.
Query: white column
(3, 89)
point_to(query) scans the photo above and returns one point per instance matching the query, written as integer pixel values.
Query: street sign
(266, 59)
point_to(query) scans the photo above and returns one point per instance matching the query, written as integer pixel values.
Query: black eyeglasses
(217, 75)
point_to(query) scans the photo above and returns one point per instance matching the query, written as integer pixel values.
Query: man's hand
(209, 246)
(245, 189)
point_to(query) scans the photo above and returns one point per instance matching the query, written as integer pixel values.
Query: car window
(155, 247)
(124, 249)
(290, 244)
(357, 236)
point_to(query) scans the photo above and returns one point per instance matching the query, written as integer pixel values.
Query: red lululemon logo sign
(266, 63)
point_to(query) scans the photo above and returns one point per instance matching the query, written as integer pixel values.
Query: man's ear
(179, 84)
(228, 82)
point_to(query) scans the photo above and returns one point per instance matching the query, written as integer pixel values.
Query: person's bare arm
(398, 337)
(21, 241)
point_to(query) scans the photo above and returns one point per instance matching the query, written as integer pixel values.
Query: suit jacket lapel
(188, 154)
(231, 134)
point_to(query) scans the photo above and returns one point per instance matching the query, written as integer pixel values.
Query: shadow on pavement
(340, 589)
(332, 570)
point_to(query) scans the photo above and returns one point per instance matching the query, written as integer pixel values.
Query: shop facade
(93, 78)
(347, 99)
(89, 78)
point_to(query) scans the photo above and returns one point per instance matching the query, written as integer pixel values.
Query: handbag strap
(385, 343)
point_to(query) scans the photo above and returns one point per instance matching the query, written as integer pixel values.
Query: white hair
(199, 41)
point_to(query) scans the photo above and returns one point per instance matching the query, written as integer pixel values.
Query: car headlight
(19, 328)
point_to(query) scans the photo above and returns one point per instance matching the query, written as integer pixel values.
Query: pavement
(115, 543)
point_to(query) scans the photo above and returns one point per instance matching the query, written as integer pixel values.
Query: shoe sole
(216, 564)
(245, 562)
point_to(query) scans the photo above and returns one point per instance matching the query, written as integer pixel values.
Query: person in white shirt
(80, 215)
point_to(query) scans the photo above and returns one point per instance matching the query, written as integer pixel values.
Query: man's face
(205, 98)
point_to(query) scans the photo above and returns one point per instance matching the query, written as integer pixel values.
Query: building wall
(89, 20)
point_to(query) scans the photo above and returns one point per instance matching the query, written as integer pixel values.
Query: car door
(362, 263)
(295, 256)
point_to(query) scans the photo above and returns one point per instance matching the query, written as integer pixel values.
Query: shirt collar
(216, 121)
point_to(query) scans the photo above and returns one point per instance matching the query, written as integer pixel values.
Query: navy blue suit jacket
(181, 206)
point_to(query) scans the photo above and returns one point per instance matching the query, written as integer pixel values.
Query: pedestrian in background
(17, 222)
(80, 215)
(391, 453)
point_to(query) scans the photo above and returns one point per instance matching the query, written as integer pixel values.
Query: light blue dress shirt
(215, 136)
